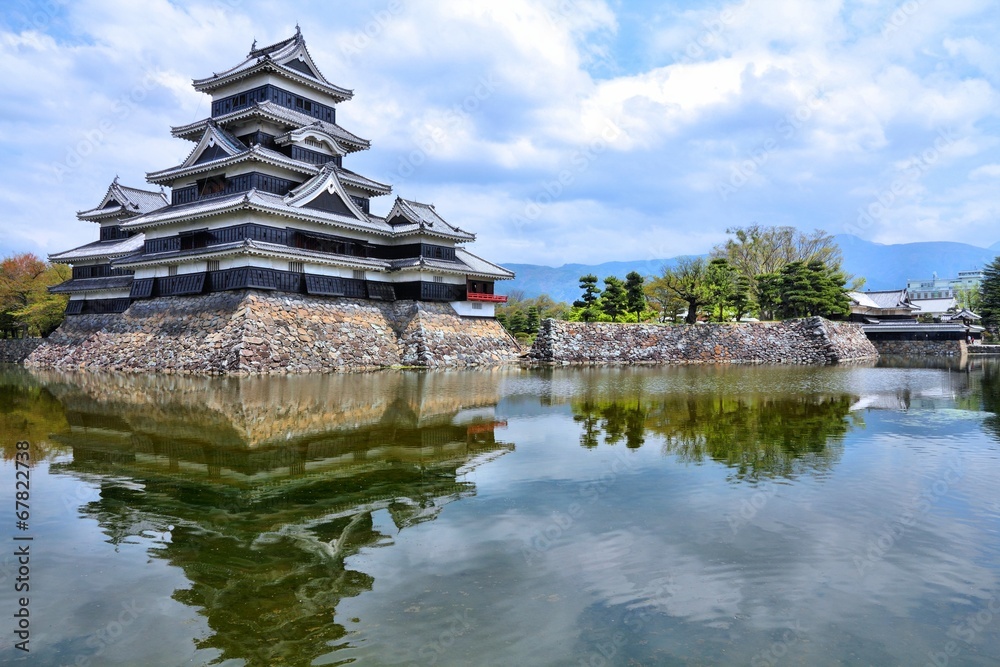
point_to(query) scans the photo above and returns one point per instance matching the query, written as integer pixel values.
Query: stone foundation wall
(805, 341)
(16, 350)
(921, 348)
(258, 332)
(435, 337)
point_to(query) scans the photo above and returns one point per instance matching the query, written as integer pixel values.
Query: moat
(711, 515)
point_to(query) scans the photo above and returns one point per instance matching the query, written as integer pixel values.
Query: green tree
(769, 295)
(686, 281)
(759, 250)
(665, 300)
(543, 307)
(720, 279)
(829, 291)
(968, 297)
(588, 302)
(517, 322)
(741, 300)
(25, 297)
(614, 300)
(635, 296)
(532, 320)
(989, 295)
(803, 289)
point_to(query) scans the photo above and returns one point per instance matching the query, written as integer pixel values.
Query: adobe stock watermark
(633, 623)
(964, 631)
(94, 139)
(37, 16)
(565, 15)
(376, 26)
(785, 129)
(779, 648)
(711, 35)
(561, 11)
(455, 626)
(894, 531)
(435, 135)
(590, 492)
(900, 16)
(914, 168)
(580, 161)
(109, 635)
(749, 507)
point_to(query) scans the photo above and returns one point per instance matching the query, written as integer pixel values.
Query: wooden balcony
(490, 298)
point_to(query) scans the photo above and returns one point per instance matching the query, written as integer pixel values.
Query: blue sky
(557, 130)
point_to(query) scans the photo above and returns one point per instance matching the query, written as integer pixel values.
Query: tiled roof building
(263, 201)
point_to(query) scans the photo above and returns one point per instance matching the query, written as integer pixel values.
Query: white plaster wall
(469, 308)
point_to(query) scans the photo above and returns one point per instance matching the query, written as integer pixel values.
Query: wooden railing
(491, 298)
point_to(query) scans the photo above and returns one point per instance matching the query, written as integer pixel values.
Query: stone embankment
(922, 348)
(16, 350)
(259, 332)
(805, 341)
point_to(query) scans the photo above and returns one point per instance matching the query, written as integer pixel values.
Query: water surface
(601, 516)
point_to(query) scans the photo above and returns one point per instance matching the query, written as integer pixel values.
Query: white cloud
(830, 98)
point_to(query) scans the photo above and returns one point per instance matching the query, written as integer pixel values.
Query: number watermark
(22, 545)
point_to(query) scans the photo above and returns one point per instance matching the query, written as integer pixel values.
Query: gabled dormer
(313, 142)
(122, 202)
(326, 193)
(291, 53)
(288, 59)
(411, 217)
(215, 144)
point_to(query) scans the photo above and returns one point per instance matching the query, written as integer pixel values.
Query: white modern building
(943, 288)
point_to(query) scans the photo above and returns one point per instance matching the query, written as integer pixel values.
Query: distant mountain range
(884, 266)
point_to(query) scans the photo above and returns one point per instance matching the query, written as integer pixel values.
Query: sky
(559, 131)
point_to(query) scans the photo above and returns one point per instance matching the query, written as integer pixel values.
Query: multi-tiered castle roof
(263, 201)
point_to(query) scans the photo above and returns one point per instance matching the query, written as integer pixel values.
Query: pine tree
(829, 292)
(635, 294)
(796, 290)
(803, 290)
(741, 301)
(517, 323)
(719, 284)
(614, 301)
(769, 295)
(533, 320)
(588, 301)
(989, 295)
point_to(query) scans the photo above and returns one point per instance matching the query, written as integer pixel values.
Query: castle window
(213, 185)
(295, 267)
(213, 265)
(439, 279)
(172, 270)
(359, 274)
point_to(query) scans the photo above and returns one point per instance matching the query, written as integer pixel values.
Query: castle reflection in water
(266, 487)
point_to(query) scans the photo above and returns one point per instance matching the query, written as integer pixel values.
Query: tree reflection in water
(757, 436)
(262, 517)
(990, 392)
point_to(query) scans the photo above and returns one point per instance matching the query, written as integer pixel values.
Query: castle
(263, 217)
